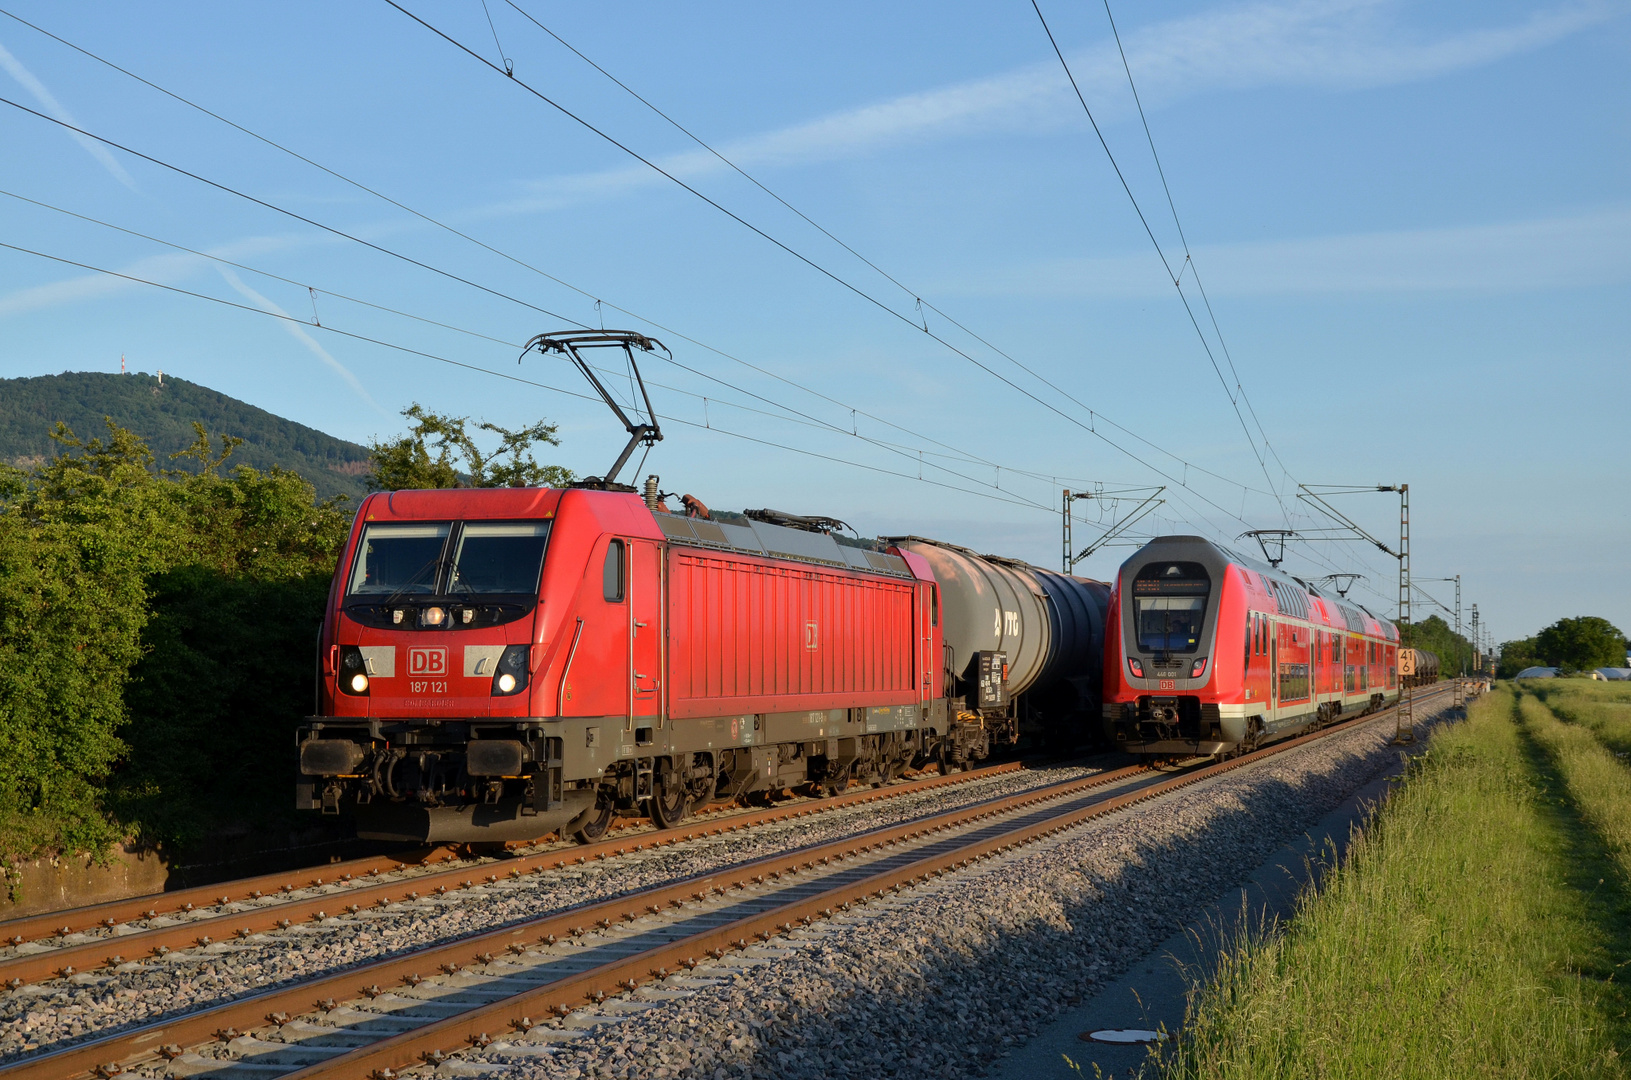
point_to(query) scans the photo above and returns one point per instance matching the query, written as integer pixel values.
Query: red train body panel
(1209, 651)
(755, 636)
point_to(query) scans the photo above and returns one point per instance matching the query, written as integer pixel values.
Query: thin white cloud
(299, 334)
(1329, 44)
(48, 101)
(1563, 252)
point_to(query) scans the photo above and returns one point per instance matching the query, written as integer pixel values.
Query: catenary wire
(1135, 457)
(599, 301)
(428, 219)
(1161, 254)
(861, 293)
(502, 375)
(1184, 240)
(1093, 414)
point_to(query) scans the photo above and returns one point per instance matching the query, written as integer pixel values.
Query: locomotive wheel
(595, 824)
(671, 803)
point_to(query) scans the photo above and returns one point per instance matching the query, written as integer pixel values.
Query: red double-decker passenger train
(1211, 652)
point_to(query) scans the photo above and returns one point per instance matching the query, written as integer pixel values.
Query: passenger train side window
(612, 575)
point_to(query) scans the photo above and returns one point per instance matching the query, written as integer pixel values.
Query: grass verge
(1475, 929)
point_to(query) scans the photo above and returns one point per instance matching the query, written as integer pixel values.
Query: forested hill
(163, 417)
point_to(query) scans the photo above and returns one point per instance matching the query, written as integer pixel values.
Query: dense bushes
(155, 640)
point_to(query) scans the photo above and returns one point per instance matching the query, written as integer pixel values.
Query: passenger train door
(645, 632)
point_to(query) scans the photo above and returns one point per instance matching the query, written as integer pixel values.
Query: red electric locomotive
(498, 664)
(1211, 652)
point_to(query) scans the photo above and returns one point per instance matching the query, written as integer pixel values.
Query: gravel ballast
(942, 981)
(49, 1014)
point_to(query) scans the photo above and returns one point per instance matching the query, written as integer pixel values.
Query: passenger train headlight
(506, 683)
(359, 683)
(1198, 669)
(1135, 666)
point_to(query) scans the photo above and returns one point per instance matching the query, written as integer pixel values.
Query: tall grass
(1605, 708)
(1460, 938)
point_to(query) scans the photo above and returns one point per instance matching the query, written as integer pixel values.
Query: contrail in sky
(300, 335)
(16, 70)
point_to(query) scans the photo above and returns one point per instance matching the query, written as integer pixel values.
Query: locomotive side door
(646, 634)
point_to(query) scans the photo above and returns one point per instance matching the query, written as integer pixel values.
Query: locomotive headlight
(433, 616)
(1198, 668)
(510, 676)
(353, 674)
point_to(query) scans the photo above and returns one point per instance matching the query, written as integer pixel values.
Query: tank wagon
(1212, 652)
(497, 664)
(1042, 632)
(1418, 667)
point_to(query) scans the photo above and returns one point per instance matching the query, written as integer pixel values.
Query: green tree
(440, 452)
(1517, 655)
(1582, 643)
(156, 635)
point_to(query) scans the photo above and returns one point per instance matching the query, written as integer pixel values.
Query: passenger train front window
(1169, 602)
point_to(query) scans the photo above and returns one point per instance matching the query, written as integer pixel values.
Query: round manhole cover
(1122, 1036)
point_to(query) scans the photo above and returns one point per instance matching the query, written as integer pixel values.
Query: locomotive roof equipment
(571, 344)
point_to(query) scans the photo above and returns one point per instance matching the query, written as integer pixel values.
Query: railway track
(44, 945)
(379, 1018)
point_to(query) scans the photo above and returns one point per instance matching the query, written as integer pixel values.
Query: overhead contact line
(1016, 500)
(1162, 255)
(522, 263)
(859, 292)
(703, 345)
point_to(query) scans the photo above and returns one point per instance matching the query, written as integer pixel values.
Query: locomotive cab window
(397, 560)
(499, 557)
(612, 574)
(1169, 602)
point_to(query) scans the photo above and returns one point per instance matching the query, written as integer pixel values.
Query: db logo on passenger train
(427, 661)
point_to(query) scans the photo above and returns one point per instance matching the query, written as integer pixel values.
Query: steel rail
(190, 1028)
(354, 889)
(108, 1054)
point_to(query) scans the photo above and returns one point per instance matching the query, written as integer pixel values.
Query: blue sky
(1413, 222)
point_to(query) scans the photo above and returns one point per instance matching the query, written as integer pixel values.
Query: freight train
(498, 664)
(1213, 653)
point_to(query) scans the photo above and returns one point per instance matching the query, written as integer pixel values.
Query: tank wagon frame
(496, 664)
(1212, 652)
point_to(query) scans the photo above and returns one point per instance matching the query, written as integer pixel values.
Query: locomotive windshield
(499, 557)
(1169, 604)
(488, 558)
(398, 559)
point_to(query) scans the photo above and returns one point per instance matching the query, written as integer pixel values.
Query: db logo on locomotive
(427, 661)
